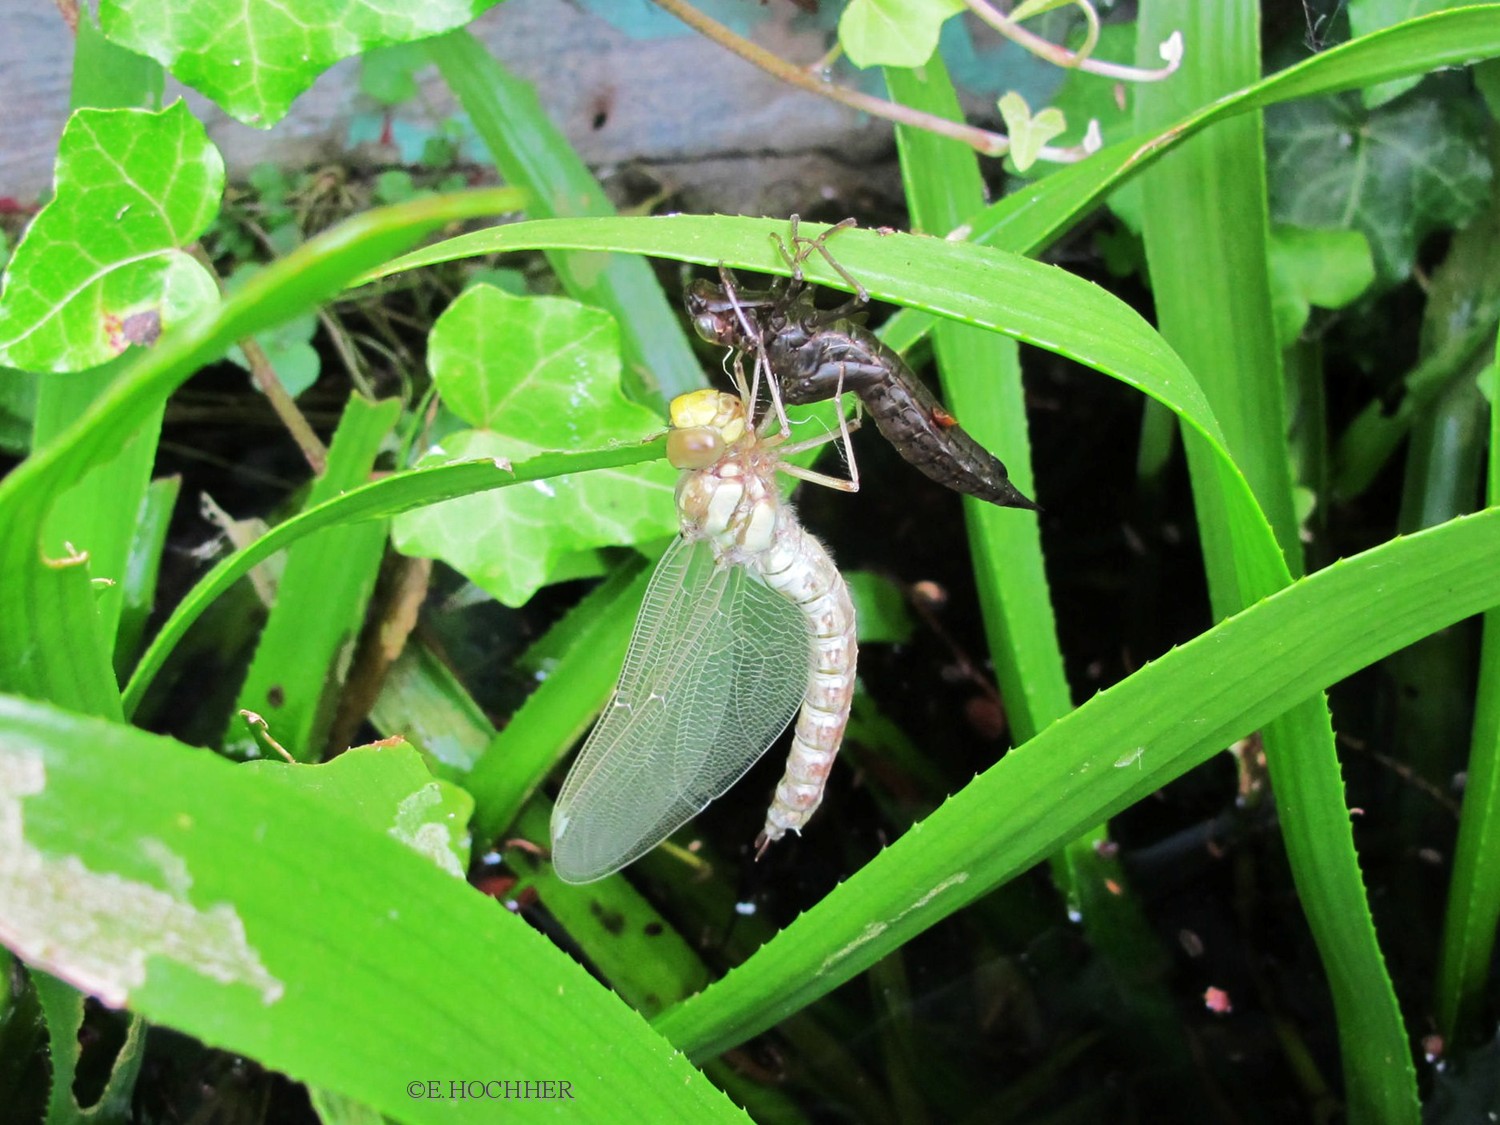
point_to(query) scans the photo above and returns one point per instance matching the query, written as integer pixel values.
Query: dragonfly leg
(805, 247)
(793, 261)
(731, 287)
(846, 427)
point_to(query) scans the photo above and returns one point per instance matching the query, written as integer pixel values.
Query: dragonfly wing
(717, 666)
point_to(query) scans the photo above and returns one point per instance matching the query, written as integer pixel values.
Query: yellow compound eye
(696, 447)
(709, 409)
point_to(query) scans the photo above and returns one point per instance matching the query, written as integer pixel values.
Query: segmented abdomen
(799, 568)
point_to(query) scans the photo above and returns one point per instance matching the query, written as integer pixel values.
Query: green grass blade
(1205, 233)
(1468, 941)
(402, 974)
(1005, 293)
(1115, 749)
(533, 154)
(143, 567)
(1376, 433)
(98, 514)
(981, 374)
(63, 1007)
(295, 678)
(423, 701)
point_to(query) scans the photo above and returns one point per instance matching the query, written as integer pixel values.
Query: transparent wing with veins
(716, 668)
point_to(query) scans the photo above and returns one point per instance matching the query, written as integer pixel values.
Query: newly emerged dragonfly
(813, 355)
(745, 620)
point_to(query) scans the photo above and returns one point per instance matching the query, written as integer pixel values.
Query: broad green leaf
(100, 267)
(389, 74)
(387, 788)
(535, 373)
(51, 643)
(1327, 268)
(893, 32)
(533, 154)
(108, 76)
(1394, 173)
(253, 57)
(281, 925)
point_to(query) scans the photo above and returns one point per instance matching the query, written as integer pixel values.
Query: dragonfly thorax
(734, 509)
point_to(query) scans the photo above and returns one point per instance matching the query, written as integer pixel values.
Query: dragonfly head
(712, 313)
(704, 424)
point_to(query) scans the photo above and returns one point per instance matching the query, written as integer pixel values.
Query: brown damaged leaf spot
(139, 328)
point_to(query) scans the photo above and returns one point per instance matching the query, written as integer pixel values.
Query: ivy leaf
(1327, 268)
(100, 267)
(1395, 173)
(253, 57)
(1028, 133)
(893, 32)
(535, 374)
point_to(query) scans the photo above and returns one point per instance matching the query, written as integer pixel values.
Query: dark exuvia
(816, 354)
